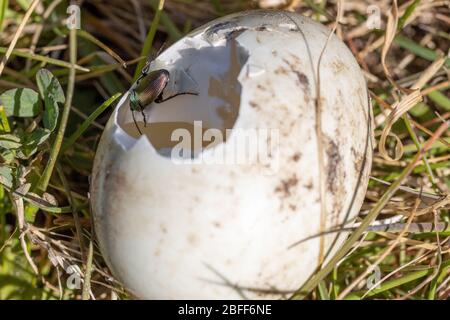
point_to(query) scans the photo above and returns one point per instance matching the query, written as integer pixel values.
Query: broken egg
(211, 202)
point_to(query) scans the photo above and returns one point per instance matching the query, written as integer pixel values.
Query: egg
(213, 199)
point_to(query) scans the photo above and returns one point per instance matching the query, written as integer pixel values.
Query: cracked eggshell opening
(223, 231)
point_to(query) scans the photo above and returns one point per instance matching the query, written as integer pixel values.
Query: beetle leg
(144, 117)
(160, 98)
(135, 122)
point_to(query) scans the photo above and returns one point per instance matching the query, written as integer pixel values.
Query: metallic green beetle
(149, 88)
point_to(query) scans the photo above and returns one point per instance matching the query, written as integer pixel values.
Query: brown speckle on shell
(334, 158)
(285, 187)
(296, 156)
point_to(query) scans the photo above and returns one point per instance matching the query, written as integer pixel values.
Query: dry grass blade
(87, 275)
(13, 43)
(445, 201)
(431, 276)
(40, 28)
(44, 59)
(442, 85)
(319, 134)
(19, 208)
(391, 30)
(107, 49)
(383, 255)
(398, 110)
(429, 73)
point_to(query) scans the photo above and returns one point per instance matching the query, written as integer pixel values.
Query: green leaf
(26, 152)
(6, 176)
(48, 84)
(52, 94)
(21, 102)
(30, 142)
(8, 155)
(51, 113)
(9, 141)
(37, 137)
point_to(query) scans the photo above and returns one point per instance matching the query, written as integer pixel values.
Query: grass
(57, 143)
(47, 169)
(88, 122)
(148, 43)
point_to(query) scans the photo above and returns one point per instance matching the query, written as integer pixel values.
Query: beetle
(148, 88)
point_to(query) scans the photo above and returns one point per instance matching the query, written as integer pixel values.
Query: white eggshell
(191, 230)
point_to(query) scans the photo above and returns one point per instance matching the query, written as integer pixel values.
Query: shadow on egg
(212, 72)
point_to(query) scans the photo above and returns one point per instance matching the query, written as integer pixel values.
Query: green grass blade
(323, 292)
(217, 7)
(440, 99)
(418, 50)
(438, 280)
(150, 37)
(71, 140)
(171, 29)
(408, 12)
(57, 143)
(3, 7)
(45, 59)
(391, 284)
(417, 144)
(4, 120)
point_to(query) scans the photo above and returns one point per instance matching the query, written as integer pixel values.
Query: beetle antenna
(159, 50)
(160, 99)
(135, 123)
(146, 68)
